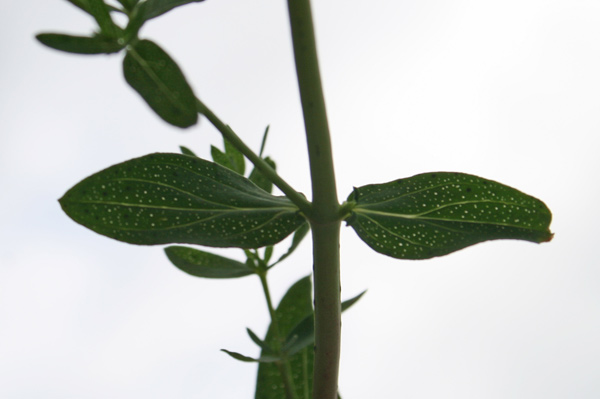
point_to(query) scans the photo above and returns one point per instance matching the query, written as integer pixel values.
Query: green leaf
(85, 6)
(187, 151)
(160, 82)
(238, 163)
(80, 44)
(232, 158)
(154, 8)
(258, 341)
(293, 308)
(203, 264)
(303, 333)
(258, 178)
(434, 214)
(173, 198)
(296, 240)
(264, 141)
(243, 358)
(101, 13)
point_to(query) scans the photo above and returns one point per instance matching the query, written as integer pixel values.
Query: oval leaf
(160, 82)
(154, 8)
(203, 264)
(434, 214)
(295, 305)
(80, 44)
(173, 198)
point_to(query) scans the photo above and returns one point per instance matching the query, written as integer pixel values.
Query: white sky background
(506, 90)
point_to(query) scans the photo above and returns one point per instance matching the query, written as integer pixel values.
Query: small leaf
(264, 141)
(268, 253)
(434, 214)
(232, 158)
(295, 305)
(258, 178)
(101, 13)
(173, 198)
(80, 44)
(303, 334)
(187, 151)
(160, 82)
(262, 359)
(238, 163)
(203, 264)
(154, 8)
(258, 341)
(296, 240)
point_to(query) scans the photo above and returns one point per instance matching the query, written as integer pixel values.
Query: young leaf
(258, 178)
(296, 240)
(160, 82)
(303, 334)
(203, 264)
(258, 341)
(101, 13)
(262, 359)
(80, 44)
(236, 158)
(434, 214)
(173, 198)
(186, 151)
(154, 8)
(293, 308)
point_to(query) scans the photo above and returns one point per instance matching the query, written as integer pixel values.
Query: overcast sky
(506, 90)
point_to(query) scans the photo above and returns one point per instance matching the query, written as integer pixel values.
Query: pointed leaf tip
(434, 214)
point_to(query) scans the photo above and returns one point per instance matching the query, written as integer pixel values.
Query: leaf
(232, 158)
(258, 341)
(101, 13)
(257, 177)
(160, 82)
(173, 198)
(434, 214)
(243, 358)
(154, 8)
(303, 333)
(296, 240)
(236, 158)
(186, 151)
(293, 308)
(203, 264)
(80, 44)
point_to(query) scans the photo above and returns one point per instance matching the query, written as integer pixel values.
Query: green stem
(283, 365)
(325, 218)
(294, 196)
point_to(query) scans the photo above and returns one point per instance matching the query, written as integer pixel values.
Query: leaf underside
(160, 82)
(204, 264)
(173, 198)
(434, 214)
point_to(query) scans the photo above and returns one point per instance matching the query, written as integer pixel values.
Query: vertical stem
(324, 217)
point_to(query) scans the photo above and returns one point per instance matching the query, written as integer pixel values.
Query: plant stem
(325, 218)
(283, 365)
(297, 198)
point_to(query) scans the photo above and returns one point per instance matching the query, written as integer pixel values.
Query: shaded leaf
(203, 264)
(173, 198)
(243, 358)
(80, 44)
(293, 308)
(154, 8)
(186, 151)
(258, 178)
(303, 334)
(160, 82)
(258, 341)
(236, 158)
(434, 214)
(296, 240)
